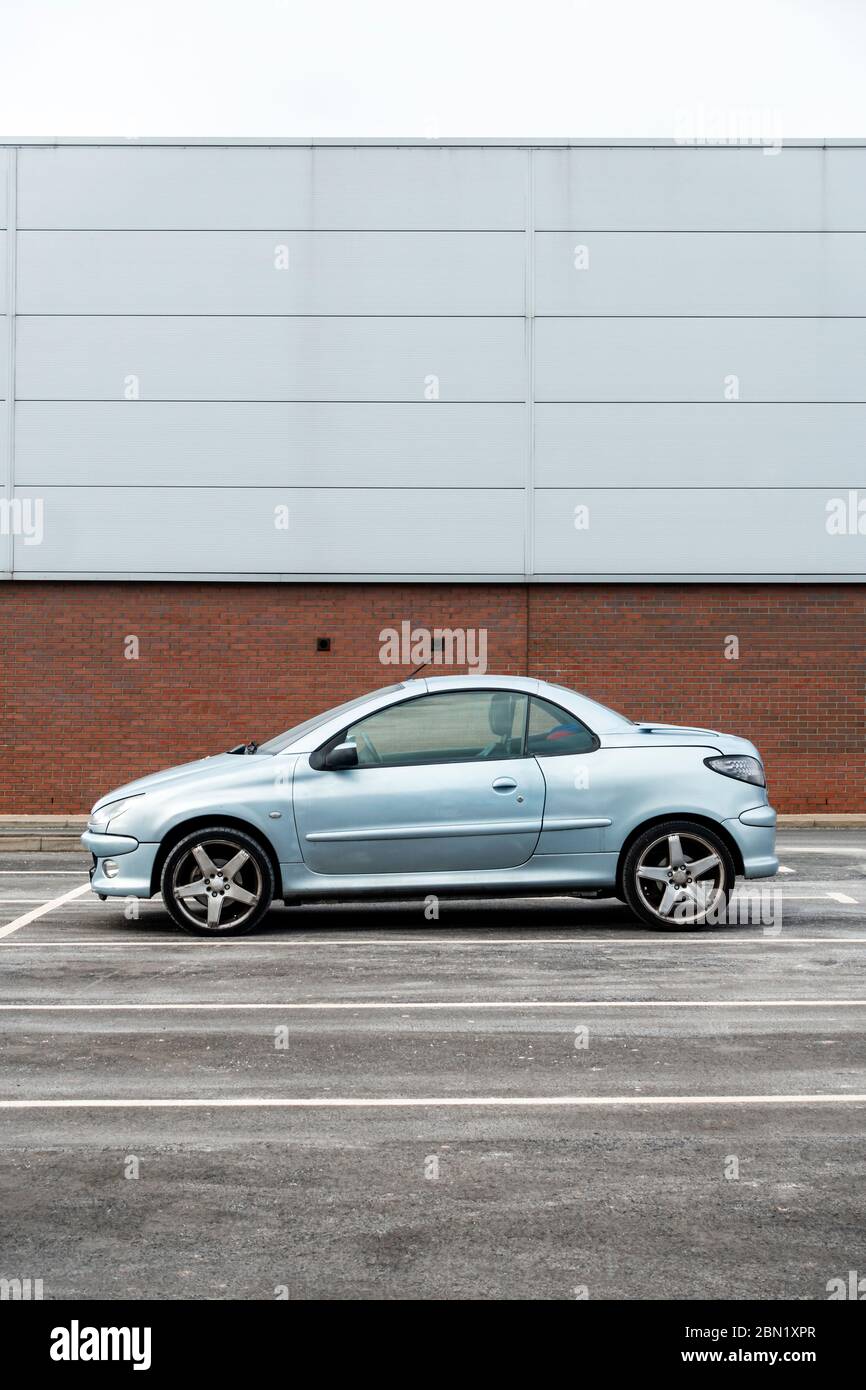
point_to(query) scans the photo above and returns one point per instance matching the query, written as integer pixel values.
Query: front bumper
(134, 860)
(755, 834)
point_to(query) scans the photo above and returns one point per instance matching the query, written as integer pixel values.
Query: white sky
(437, 68)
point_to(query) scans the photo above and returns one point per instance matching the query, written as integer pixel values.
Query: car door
(577, 799)
(442, 785)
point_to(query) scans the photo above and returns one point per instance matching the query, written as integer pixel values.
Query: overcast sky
(437, 68)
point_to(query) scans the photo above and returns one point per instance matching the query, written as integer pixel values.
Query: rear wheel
(217, 882)
(677, 875)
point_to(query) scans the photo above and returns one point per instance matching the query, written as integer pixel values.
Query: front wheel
(678, 875)
(217, 882)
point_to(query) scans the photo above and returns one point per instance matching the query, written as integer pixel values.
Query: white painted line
(821, 849)
(654, 939)
(412, 1102)
(841, 898)
(40, 873)
(783, 869)
(415, 1005)
(37, 912)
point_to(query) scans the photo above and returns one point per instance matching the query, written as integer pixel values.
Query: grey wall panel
(200, 187)
(4, 455)
(3, 275)
(721, 531)
(682, 359)
(4, 188)
(236, 272)
(701, 188)
(723, 273)
(270, 358)
(263, 443)
(4, 356)
(347, 530)
(700, 445)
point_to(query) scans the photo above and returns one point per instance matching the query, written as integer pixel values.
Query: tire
(225, 905)
(658, 887)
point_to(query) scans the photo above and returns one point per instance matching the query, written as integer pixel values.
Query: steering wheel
(375, 756)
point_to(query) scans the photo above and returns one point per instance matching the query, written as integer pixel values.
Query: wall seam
(9, 389)
(529, 349)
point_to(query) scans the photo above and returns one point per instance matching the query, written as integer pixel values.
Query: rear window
(553, 732)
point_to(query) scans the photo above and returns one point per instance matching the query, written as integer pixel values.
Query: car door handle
(504, 784)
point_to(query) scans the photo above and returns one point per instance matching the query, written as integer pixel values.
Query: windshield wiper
(251, 747)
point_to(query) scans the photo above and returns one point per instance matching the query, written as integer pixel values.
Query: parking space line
(419, 1005)
(41, 911)
(412, 1102)
(790, 849)
(238, 943)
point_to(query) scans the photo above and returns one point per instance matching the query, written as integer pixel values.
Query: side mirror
(344, 755)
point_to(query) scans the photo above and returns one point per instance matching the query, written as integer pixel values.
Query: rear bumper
(755, 834)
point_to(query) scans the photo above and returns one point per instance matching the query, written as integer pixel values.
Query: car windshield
(281, 741)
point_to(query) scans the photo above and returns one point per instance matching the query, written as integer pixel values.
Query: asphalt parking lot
(521, 1099)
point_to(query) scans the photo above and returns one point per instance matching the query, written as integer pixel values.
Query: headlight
(99, 819)
(743, 768)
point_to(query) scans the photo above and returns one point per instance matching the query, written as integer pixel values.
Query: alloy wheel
(681, 878)
(216, 885)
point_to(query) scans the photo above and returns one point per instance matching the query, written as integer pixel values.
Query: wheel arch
(186, 827)
(706, 821)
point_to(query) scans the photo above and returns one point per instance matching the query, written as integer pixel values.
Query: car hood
(217, 766)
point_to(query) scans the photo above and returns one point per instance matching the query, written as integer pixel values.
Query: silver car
(454, 784)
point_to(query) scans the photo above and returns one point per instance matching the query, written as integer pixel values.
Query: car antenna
(438, 646)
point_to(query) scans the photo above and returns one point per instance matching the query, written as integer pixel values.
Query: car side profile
(450, 784)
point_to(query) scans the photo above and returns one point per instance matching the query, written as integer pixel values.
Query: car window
(449, 727)
(553, 732)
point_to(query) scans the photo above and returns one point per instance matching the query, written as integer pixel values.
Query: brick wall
(222, 662)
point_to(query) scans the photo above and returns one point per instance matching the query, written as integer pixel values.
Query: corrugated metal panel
(4, 356)
(691, 359)
(4, 289)
(4, 188)
(699, 445)
(200, 187)
(267, 444)
(723, 531)
(149, 270)
(204, 530)
(381, 359)
(722, 273)
(270, 272)
(700, 188)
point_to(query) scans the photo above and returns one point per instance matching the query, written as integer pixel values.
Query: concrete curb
(61, 834)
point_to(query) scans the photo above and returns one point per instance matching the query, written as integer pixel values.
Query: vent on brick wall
(323, 644)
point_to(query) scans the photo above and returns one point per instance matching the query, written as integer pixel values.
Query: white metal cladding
(760, 445)
(378, 273)
(205, 188)
(214, 339)
(692, 359)
(701, 188)
(231, 358)
(198, 444)
(234, 529)
(676, 530)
